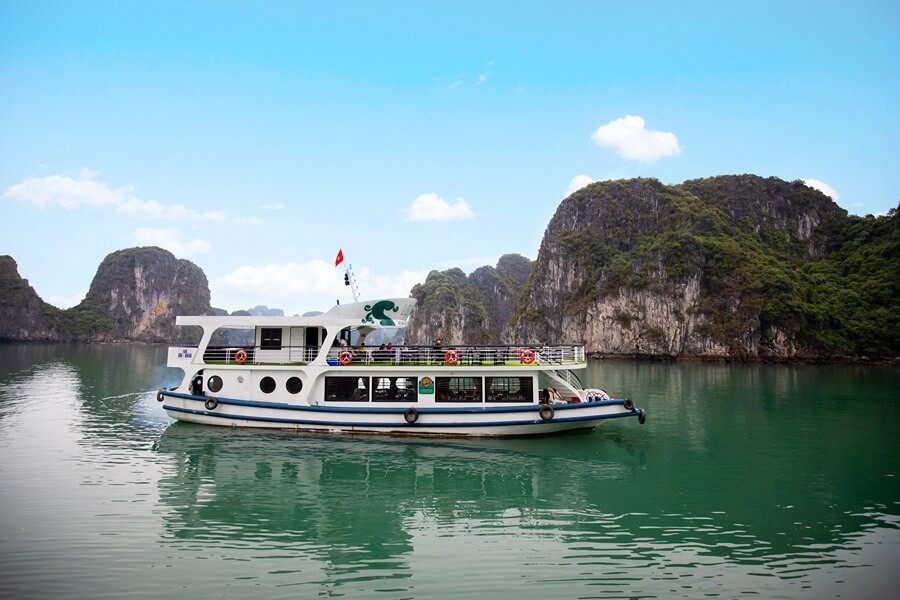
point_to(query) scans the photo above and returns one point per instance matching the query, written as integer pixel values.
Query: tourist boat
(326, 373)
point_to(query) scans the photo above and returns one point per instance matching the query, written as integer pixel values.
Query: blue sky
(256, 141)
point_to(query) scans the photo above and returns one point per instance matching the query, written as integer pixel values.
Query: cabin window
(347, 389)
(395, 389)
(509, 389)
(293, 385)
(270, 338)
(267, 385)
(214, 383)
(458, 389)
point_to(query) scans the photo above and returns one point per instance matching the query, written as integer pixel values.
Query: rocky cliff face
(142, 290)
(472, 309)
(23, 315)
(710, 268)
(790, 208)
(135, 296)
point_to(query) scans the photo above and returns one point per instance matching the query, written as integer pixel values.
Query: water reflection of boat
(301, 373)
(364, 506)
(333, 494)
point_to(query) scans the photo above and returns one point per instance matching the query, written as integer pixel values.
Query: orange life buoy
(346, 357)
(451, 357)
(240, 357)
(527, 357)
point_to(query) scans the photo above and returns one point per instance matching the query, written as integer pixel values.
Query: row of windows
(267, 384)
(445, 389)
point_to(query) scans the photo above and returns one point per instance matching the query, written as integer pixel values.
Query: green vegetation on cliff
(770, 256)
(135, 296)
(472, 309)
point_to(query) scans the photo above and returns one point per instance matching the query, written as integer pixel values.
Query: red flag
(339, 258)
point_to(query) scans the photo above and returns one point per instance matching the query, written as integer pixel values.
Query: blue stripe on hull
(371, 425)
(403, 406)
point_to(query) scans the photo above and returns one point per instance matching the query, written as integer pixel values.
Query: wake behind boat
(316, 373)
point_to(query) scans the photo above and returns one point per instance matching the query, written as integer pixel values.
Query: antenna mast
(350, 280)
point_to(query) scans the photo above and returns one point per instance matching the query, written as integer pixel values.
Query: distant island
(731, 267)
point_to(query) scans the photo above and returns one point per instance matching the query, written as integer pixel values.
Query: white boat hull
(455, 421)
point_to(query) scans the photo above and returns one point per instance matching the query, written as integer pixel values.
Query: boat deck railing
(403, 355)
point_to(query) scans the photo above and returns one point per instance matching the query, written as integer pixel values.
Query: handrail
(403, 355)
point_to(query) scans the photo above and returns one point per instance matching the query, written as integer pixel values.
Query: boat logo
(377, 310)
(186, 353)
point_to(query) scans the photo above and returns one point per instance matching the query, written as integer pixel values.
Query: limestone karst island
(730, 267)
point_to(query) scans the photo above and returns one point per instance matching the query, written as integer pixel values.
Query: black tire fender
(159, 396)
(628, 403)
(546, 412)
(211, 403)
(411, 415)
(642, 416)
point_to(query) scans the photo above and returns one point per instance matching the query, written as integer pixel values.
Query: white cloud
(85, 190)
(301, 287)
(294, 287)
(482, 77)
(578, 182)
(822, 187)
(431, 207)
(67, 192)
(276, 206)
(633, 141)
(61, 301)
(170, 239)
(389, 286)
(293, 279)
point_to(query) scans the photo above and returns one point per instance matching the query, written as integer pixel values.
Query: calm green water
(774, 481)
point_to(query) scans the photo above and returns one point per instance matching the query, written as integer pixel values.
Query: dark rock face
(23, 315)
(135, 296)
(728, 267)
(143, 289)
(736, 267)
(791, 208)
(472, 309)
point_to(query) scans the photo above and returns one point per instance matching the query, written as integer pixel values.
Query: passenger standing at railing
(438, 344)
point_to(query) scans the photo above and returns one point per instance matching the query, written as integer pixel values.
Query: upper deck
(401, 356)
(339, 338)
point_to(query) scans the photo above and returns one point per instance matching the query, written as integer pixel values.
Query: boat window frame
(509, 388)
(334, 383)
(408, 393)
(270, 384)
(465, 388)
(270, 341)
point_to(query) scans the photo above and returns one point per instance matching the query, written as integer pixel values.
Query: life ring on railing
(411, 415)
(546, 412)
(240, 357)
(451, 357)
(346, 357)
(527, 356)
(159, 396)
(211, 403)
